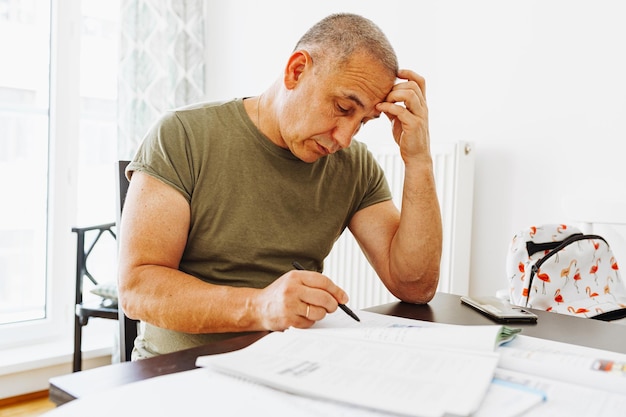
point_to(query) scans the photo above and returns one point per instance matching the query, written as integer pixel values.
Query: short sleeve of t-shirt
(165, 154)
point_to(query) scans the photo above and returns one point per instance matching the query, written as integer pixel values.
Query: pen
(344, 307)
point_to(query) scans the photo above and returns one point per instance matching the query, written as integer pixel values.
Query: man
(224, 197)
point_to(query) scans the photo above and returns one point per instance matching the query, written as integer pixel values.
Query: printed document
(389, 369)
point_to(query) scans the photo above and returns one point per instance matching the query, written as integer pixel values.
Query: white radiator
(454, 177)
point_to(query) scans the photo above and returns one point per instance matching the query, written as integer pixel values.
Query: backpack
(555, 267)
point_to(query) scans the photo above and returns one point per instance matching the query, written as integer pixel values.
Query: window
(58, 149)
(98, 110)
(24, 97)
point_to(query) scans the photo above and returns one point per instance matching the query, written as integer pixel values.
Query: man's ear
(298, 63)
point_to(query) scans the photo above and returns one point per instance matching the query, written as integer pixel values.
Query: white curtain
(161, 64)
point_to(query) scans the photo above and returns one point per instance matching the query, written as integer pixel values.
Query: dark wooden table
(444, 308)
(447, 308)
(69, 387)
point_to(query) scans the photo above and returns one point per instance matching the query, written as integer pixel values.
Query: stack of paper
(381, 367)
(408, 370)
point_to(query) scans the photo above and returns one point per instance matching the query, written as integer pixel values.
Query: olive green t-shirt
(255, 207)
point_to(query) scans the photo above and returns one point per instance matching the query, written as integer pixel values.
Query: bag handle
(554, 250)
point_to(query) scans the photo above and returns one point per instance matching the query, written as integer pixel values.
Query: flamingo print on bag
(577, 278)
(544, 278)
(614, 267)
(578, 310)
(594, 269)
(558, 297)
(565, 271)
(559, 230)
(596, 246)
(591, 294)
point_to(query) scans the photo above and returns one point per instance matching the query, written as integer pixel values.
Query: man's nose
(345, 131)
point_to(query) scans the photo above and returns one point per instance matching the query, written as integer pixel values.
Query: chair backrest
(122, 188)
(128, 327)
(84, 248)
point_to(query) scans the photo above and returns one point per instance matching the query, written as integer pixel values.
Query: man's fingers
(406, 74)
(314, 279)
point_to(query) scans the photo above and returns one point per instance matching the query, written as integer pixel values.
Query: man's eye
(342, 110)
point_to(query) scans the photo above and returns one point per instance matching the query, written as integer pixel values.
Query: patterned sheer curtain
(161, 64)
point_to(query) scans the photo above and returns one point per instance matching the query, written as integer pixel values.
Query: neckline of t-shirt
(261, 138)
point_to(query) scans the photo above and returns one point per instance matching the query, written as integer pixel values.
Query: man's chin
(311, 154)
(310, 157)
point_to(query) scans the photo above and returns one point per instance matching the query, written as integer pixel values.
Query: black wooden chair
(86, 241)
(128, 327)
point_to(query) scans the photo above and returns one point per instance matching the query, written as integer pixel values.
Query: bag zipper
(569, 240)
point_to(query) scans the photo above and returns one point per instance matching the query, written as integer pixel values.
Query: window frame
(63, 139)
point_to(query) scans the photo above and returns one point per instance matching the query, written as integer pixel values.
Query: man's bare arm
(405, 249)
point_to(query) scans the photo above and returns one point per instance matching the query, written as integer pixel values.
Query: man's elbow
(420, 289)
(128, 306)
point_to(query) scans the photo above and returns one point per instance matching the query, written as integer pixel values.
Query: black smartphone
(499, 310)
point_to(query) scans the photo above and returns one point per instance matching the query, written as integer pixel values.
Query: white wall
(538, 86)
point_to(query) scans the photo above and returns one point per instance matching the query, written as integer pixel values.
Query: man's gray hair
(340, 35)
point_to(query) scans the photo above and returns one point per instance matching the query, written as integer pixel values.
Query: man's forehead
(363, 103)
(365, 78)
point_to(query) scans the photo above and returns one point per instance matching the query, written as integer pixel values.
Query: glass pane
(24, 92)
(98, 119)
(98, 130)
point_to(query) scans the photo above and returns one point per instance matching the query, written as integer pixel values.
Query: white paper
(390, 377)
(409, 332)
(204, 392)
(340, 320)
(565, 362)
(510, 395)
(568, 398)
(198, 392)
